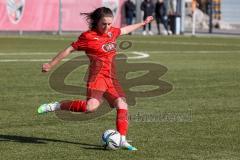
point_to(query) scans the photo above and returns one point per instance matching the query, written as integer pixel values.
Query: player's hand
(149, 19)
(46, 67)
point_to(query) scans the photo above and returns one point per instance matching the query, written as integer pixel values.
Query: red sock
(122, 121)
(75, 106)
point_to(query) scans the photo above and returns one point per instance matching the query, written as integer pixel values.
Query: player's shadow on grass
(37, 140)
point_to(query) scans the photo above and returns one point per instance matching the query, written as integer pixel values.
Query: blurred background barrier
(54, 15)
(57, 16)
(25, 15)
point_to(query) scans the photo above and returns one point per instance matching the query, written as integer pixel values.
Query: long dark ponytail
(94, 17)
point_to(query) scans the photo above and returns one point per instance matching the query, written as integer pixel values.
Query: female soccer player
(99, 43)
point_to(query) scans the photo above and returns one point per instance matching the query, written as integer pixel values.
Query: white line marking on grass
(28, 60)
(43, 38)
(27, 53)
(197, 52)
(186, 43)
(140, 55)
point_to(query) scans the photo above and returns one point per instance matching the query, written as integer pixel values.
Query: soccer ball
(111, 139)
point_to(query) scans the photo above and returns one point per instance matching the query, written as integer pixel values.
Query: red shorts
(108, 88)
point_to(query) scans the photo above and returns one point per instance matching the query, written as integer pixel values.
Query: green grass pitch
(199, 119)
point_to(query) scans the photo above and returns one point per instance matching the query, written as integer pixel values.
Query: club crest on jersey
(109, 47)
(110, 34)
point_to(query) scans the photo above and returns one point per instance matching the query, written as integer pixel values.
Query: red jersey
(101, 50)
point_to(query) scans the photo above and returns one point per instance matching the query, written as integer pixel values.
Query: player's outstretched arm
(61, 55)
(133, 27)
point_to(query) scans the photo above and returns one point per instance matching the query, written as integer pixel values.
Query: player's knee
(121, 104)
(92, 105)
(92, 108)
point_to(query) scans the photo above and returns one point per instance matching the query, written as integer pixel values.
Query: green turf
(199, 119)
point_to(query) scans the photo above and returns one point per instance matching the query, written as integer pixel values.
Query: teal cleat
(131, 148)
(126, 145)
